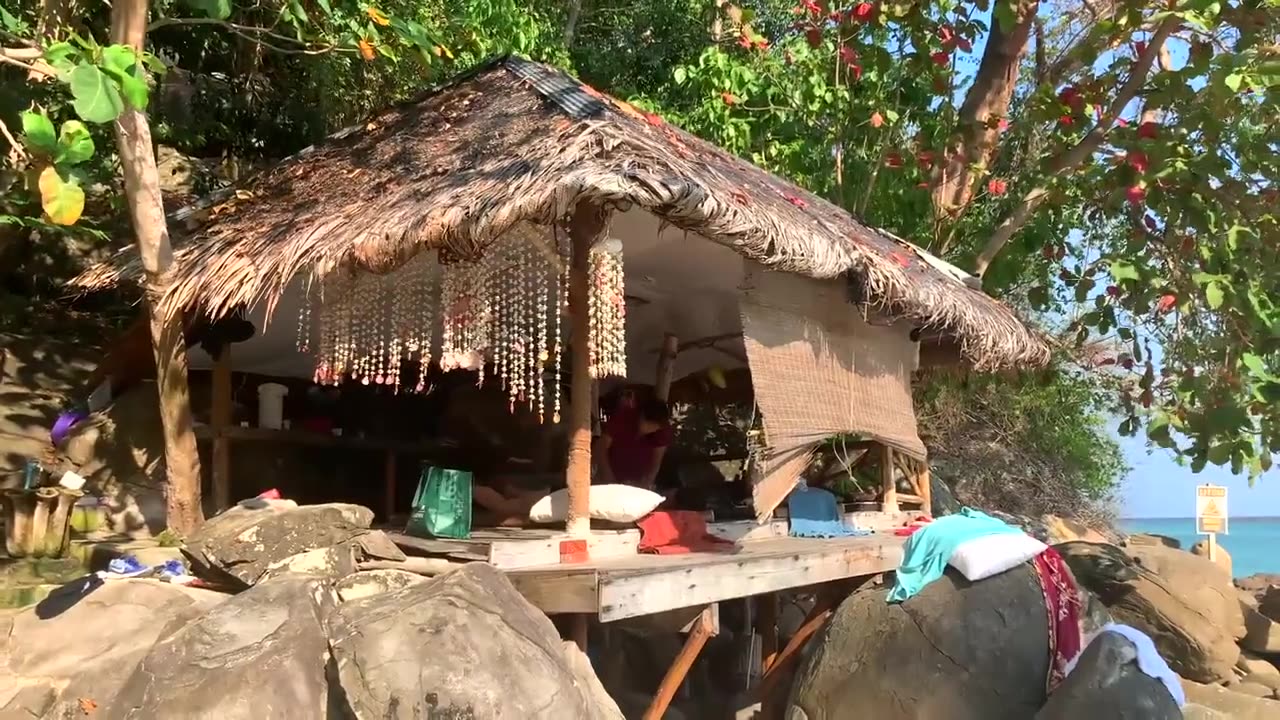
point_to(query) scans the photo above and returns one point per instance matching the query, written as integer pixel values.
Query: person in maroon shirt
(634, 441)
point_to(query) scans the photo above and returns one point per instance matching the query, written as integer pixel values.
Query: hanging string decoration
(608, 310)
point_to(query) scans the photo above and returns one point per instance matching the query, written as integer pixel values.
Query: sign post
(1211, 514)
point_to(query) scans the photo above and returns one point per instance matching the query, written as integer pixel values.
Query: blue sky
(1158, 487)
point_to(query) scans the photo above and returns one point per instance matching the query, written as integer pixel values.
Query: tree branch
(16, 153)
(1082, 150)
(35, 68)
(248, 32)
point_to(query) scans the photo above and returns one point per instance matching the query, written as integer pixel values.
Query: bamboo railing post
(889, 502)
(220, 419)
(585, 227)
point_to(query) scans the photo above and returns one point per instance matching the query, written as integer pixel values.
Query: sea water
(1253, 542)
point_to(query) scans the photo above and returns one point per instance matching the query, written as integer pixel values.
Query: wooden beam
(924, 486)
(666, 367)
(220, 419)
(889, 501)
(585, 227)
(578, 629)
(680, 667)
(823, 606)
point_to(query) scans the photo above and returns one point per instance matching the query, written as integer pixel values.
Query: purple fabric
(62, 427)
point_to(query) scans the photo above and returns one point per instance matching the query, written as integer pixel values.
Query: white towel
(1149, 660)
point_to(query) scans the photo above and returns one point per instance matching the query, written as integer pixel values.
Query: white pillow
(615, 503)
(993, 554)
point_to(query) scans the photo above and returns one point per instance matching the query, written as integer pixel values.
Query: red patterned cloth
(1062, 602)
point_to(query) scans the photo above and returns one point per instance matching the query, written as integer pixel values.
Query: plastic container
(271, 405)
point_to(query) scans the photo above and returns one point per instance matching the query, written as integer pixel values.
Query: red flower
(836, 16)
(1003, 125)
(1139, 47)
(997, 187)
(848, 56)
(941, 59)
(925, 158)
(876, 120)
(1148, 130)
(964, 44)
(811, 6)
(945, 34)
(1113, 291)
(760, 44)
(893, 160)
(857, 71)
(1066, 121)
(814, 36)
(728, 98)
(863, 12)
(1166, 302)
(1137, 160)
(922, 185)
(1136, 194)
(744, 41)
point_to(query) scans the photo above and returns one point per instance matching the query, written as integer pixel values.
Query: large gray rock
(257, 539)
(464, 645)
(1185, 603)
(1262, 634)
(1106, 684)
(261, 655)
(956, 651)
(72, 647)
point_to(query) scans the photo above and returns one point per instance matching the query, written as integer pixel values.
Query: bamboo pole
(220, 418)
(889, 501)
(585, 227)
(666, 366)
(680, 667)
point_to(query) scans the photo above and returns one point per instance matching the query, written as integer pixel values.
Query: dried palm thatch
(518, 141)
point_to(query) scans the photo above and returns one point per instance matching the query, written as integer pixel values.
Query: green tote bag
(442, 504)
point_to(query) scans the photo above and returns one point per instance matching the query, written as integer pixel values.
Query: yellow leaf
(366, 50)
(376, 15)
(442, 51)
(62, 201)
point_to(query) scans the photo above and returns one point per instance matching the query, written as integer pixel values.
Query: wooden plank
(748, 530)
(680, 620)
(555, 592)
(220, 419)
(705, 579)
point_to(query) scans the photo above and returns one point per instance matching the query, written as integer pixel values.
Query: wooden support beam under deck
(680, 667)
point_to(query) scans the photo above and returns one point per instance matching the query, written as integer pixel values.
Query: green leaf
(216, 9)
(1257, 367)
(680, 75)
(1122, 270)
(75, 144)
(1006, 15)
(61, 199)
(121, 64)
(95, 97)
(11, 23)
(39, 133)
(1233, 82)
(1219, 454)
(1214, 293)
(61, 55)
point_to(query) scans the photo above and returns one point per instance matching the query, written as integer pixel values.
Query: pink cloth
(1062, 603)
(672, 532)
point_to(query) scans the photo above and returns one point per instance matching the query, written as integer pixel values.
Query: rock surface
(1234, 705)
(1106, 684)
(1185, 603)
(1141, 539)
(261, 655)
(464, 645)
(1269, 603)
(956, 651)
(252, 541)
(1220, 555)
(1262, 635)
(70, 647)
(375, 582)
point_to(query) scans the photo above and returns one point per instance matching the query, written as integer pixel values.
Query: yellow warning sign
(1211, 510)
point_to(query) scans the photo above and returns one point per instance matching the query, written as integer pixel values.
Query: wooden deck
(629, 586)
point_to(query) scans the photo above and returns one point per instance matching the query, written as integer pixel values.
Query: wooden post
(220, 418)
(389, 485)
(578, 630)
(666, 366)
(680, 667)
(924, 487)
(889, 502)
(767, 629)
(585, 227)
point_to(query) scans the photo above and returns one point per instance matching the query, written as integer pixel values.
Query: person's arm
(651, 478)
(601, 453)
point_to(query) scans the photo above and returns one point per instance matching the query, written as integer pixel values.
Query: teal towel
(925, 556)
(815, 513)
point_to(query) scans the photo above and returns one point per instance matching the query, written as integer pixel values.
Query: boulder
(259, 656)
(1266, 680)
(955, 651)
(1060, 530)
(1253, 689)
(1269, 603)
(1262, 634)
(1234, 705)
(259, 539)
(1192, 711)
(1106, 684)
(374, 582)
(1251, 664)
(465, 644)
(1220, 554)
(1148, 539)
(1185, 603)
(74, 645)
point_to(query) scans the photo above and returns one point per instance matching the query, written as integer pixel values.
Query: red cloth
(1062, 603)
(630, 451)
(671, 532)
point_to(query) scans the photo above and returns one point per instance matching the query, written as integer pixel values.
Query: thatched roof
(515, 140)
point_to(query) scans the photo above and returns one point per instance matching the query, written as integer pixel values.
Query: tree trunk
(571, 23)
(987, 100)
(142, 188)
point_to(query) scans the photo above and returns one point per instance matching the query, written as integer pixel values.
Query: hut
(659, 253)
